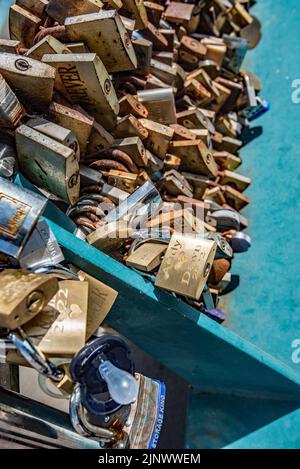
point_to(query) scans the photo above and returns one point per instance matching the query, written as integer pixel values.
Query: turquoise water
(265, 308)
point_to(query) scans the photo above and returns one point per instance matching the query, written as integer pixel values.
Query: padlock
(194, 118)
(163, 72)
(131, 105)
(240, 242)
(215, 194)
(234, 198)
(130, 126)
(23, 25)
(186, 265)
(154, 35)
(10, 46)
(99, 138)
(134, 147)
(199, 182)
(197, 92)
(179, 13)
(77, 48)
(98, 31)
(77, 122)
(48, 164)
(138, 11)
(62, 332)
(236, 51)
(154, 12)
(57, 132)
(226, 160)
(166, 58)
(143, 51)
(147, 256)
(203, 77)
(98, 401)
(237, 181)
(160, 105)
(110, 237)
(101, 298)
(191, 50)
(83, 79)
(195, 157)
(159, 137)
(124, 181)
(19, 212)
(11, 110)
(171, 162)
(176, 184)
(36, 7)
(32, 80)
(41, 249)
(48, 45)
(23, 296)
(59, 10)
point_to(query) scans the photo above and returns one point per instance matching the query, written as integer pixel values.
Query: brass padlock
(59, 10)
(99, 138)
(48, 164)
(57, 132)
(77, 122)
(100, 301)
(11, 110)
(147, 257)
(36, 7)
(134, 147)
(237, 181)
(124, 181)
(227, 160)
(130, 126)
(171, 162)
(160, 105)
(234, 198)
(129, 104)
(154, 35)
(47, 45)
(200, 183)
(195, 157)
(197, 92)
(137, 9)
(179, 13)
(186, 265)
(99, 31)
(10, 46)
(77, 48)
(159, 137)
(23, 296)
(32, 81)
(83, 79)
(23, 25)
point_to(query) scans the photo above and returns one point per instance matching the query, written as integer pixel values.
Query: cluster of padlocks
(128, 116)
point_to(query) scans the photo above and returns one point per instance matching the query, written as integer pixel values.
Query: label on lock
(83, 79)
(186, 265)
(19, 213)
(32, 80)
(48, 164)
(23, 296)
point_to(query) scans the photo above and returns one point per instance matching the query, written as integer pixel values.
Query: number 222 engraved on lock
(67, 311)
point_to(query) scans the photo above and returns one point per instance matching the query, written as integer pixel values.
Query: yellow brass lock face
(23, 296)
(147, 257)
(186, 265)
